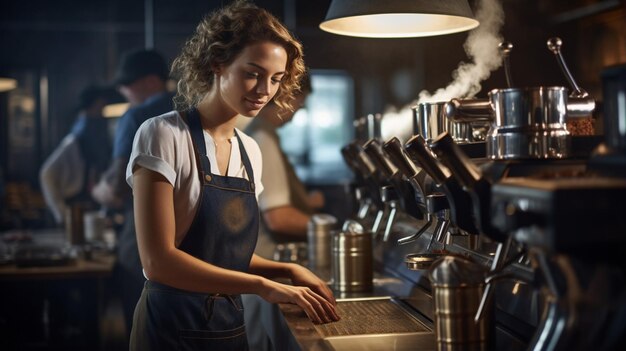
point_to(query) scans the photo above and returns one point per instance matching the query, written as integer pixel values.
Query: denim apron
(223, 233)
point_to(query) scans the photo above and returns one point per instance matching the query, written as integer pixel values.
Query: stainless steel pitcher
(458, 284)
(318, 238)
(352, 261)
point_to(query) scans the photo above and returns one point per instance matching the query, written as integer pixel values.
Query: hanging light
(115, 110)
(398, 18)
(7, 84)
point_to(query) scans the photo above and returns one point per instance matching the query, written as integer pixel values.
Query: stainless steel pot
(525, 122)
(429, 120)
(318, 238)
(352, 261)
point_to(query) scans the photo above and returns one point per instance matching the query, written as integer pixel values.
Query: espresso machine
(573, 229)
(509, 188)
(561, 211)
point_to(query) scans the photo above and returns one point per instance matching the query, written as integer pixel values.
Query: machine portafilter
(413, 174)
(472, 179)
(428, 198)
(573, 228)
(394, 192)
(366, 190)
(460, 201)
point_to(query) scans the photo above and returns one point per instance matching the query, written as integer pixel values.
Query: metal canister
(318, 238)
(458, 285)
(351, 265)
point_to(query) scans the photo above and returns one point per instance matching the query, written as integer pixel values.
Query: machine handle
(505, 49)
(454, 158)
(554, 45)
(373, 149)
(364, 164)
(416, 148)
(393, 148)
(349, 157)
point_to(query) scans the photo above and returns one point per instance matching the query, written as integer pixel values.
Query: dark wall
(75, 43)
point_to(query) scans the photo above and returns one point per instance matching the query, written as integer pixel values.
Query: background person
(195, 181)
(141, 78)
(72, 169)
(286, 205)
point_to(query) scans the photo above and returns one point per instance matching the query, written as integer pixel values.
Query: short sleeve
(274, 177)
(155, 148)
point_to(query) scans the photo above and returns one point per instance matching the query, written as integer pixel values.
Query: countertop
(392, 279)
(406, 294)
(88, 261)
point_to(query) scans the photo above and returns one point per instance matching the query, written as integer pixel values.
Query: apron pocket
(232, 339)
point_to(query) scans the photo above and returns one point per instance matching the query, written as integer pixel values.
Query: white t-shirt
(163, 144)
(275, 182)
(61, 175)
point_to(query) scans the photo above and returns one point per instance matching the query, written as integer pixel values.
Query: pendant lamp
(398, 18)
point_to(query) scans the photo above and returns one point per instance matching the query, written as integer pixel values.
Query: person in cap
(141, 78)
(195, 180)
(72, 169)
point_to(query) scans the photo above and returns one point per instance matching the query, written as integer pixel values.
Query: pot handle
(468, 110)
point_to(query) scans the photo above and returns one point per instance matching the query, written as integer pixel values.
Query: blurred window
(313, 139)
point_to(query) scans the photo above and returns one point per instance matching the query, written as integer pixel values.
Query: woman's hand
(300, 276)
(317, 308)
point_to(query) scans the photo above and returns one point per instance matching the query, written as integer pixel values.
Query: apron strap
(192, 119)
(246, 161)
(195, 129)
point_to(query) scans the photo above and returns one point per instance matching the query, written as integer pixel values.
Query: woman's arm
(299, 275)
(287, 221)
(164, 263)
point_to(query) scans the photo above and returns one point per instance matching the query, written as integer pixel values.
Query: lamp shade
(398, 18)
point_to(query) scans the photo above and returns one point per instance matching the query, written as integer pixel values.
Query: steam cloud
(482, 47)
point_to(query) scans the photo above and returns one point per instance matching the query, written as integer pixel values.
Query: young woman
(195, 181)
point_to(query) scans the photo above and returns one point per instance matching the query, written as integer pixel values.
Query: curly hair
(219, 39)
